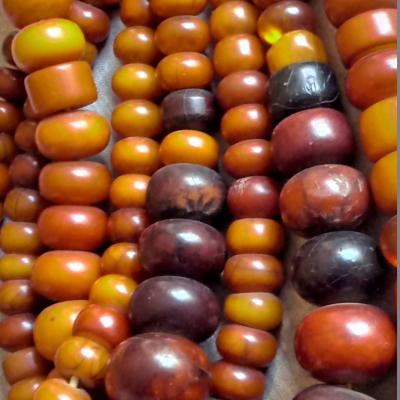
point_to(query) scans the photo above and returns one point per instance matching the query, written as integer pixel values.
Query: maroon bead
(328, 392)
(25, 169)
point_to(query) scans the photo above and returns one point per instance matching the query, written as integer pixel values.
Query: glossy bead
(103, 3)
(184, 70)
(80, 134)
(372, 78)
(189, 109)
(312, 137)
(388, 241)
(73, 79)
(136, 12)
(325, 198)
(136, 155)
(338, 267)
(8, 148)
(171, 8)
(383, 181)
(283, 17)
(245, 273)
(10, 116)
(6, 46)
(17, 297)
(5, 181)
(54, 325)
(25, 169)
(242, 87)
(154, 307)
(378, 128)
(249, 157)
(182, 33)
(73, 227)
(65, 275)
(328, 392)
(136, 45)
(25, 389)
(25, 136)
(48, 42)
(75, 182)
(16, 332)
(58, 389)
(182, 247)
(12, 84)
(136, 81)
(237, 53)
(143, 356)
(234, 382)
(28, 110)
(129, 191)
(246, 346)
(254, 197)
(346, 342)
(263, 4)
(20, 237)
(90, 53)
(16, 266)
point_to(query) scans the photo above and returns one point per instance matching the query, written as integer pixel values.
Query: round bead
(171, 8)
(136, 12)
(16, 266)
(12, 84)
(25, 136)
(20, 237)
(8, 148)
(327, 392)
(25, 389)
(5, 181)
(10, 116)
(17, 297)
(129, 190)
(58, 388)
(25, 169)
(388, 241)
(263, 4)
(16, 332)
(90, 53)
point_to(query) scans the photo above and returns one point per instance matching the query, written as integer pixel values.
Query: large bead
(328, 392)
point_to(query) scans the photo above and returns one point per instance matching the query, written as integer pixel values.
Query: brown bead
(10, 116)
(20, 237)
(25, 169)
(25, 389)
(25, 136)
(136, 12)
(6, 47)
(8, 148)
(171, 8)
(16, 297)
(5, 181)
(24, 205)
(12, 84)
(16, 266)
(388, 241)
(16, 332)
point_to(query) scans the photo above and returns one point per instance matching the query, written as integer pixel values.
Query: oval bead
(8, 148)
(136, 12)
(329, 392)
(25, 389)
(20, 237)
(10, 116)
(12, 84)
(17, 297)
(129, 190)
(16, 332)
(170, 8)
(388, 241)
(16, 266)
(24, 136)
(25, 169)
(23, 205)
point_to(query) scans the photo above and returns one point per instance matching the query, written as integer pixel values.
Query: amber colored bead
(249, 157)
(25, 389)
(136, 81)
(103, 3)
(80, 134)
(12, 84)
(189, 146)
(73, 227)
(235, 382)
(285, 16)
(388, 241)
(255, 235)
(23, 205)
(8, 148)
(16, 332)
(184, 70)
(383, 180)
(182, 33)
(129, 191)
(137, 118)
(10, 116)
(59, 389)
(28, 110)
(25, 169)
(378, 128)
(16, 297)
(263, 4)
(90, 53)
(136, 12)
(296, 47)
(136, 45)
(16, 266)
(171, 8)
(247, 121)
(74, 80)
(20, 237)
(242, 87)
(5, 181)
(246, 346)
(25, 136)
(6, 47)
(25, 363)
(253, 273)
(136, 155)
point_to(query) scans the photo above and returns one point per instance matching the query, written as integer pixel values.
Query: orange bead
(237, 53)
(25, 136)
(74, 80)
(170, 8)
(383, 182)
(388, 241)
(10, 117)
(25, 169)
(188, 146)
(12, 84)
(5, 180)
(8, 148)
(129, 191)
(90, 53)
(23, 205)
(137, 118)
(295, 47)
(25, 389)
(20, 237)
(16, 266)
(58, 389)
(136, 45)
(17, 297)
(185, 70)
(255, 235)
(182, 33)
(137, 155)
(136, 12)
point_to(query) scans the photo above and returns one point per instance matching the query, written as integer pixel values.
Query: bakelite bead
(383, 181)
(20, 237)
(16, 332)
(155, 305)
(237, 53)
(136, 45)
(136, 12)
(75, 182)
(103, 3)
(338, 267)
(246, 346)
(5, 181)
(129, 190)
(90, 53)
(184, 70)
(25, 389)
(17, 297)
(346, 343)
(256, 310)
(328, 392)
(73, 227)
(12, 84)
(233, 17)
(145, 357)
(245, 273)
(6, 47)
(8, 148)
(249, 157)
(171, 8)
(48, 42)
(16, 266)
(189, 109)
(25, 169)
(54, 325)
(65, 275)
(312, 137)
(372, 78)
(28, 110)
(25, 136)
(263, 4)
(94, 23)
(235, 382)
(242, 87)
(136, 81)
(136, 155)
(366, 33)
(378, 128)
(254, 197)
(283, 17)
(80, 134)
(189, 146)
(325, 198)
(182, 247)
(10, 116)
(182, 33)
(58, 389)
(388, 241)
